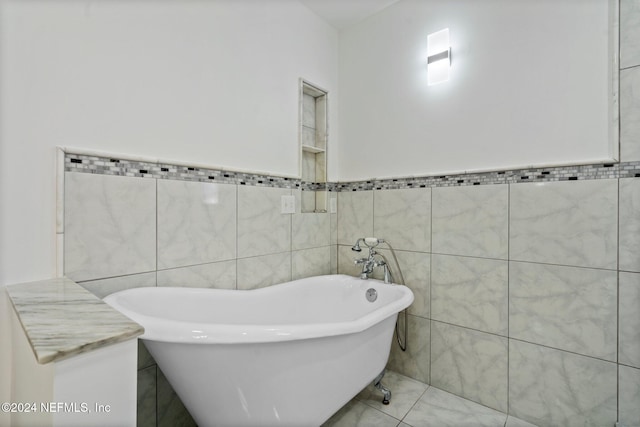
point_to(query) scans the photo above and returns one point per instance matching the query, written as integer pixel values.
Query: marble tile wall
(527, 294)
(196, 223)
(122, 232)
(110, 230)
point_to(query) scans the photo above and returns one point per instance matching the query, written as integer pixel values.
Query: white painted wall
(210, 82)
(529, 85)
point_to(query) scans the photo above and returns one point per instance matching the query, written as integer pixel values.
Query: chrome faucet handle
(359, 261)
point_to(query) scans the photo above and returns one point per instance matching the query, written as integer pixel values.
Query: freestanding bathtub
(286, 355)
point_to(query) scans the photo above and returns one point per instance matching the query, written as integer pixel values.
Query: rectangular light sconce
(438, 57)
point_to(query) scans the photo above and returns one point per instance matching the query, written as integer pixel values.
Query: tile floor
(415, 404)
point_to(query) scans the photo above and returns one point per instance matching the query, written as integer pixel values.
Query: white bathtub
(286, 355)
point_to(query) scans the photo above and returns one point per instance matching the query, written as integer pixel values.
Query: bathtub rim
(177, 331)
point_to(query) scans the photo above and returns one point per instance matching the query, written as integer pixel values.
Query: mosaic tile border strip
(141, 169)
(313, 186)
(516, 176)
(122, 167)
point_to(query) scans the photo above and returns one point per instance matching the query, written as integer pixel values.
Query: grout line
(508, 294)
(113, 277)
(564, 351)
(416, 402)
(521, 340)
(626, 365)
(630, 67)
(197, 265)
(237, 228)
(506, 260)
(430, 282)
(618, 307)
(291, 231)
(157, 240)
(155, 366)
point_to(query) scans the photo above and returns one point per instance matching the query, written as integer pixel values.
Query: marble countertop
(62, 319)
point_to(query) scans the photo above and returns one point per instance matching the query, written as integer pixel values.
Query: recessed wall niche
(313, 147)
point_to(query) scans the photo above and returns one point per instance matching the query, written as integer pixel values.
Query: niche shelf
(313, 146)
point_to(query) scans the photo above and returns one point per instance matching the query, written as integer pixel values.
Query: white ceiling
(344, 13)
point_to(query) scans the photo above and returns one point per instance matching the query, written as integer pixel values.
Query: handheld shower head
(370, 242)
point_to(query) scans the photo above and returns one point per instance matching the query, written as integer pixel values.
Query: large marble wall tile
(629, 332)
(310, 230)
(262, 229)
(470, 364)
(415, 362)
(103, 287)
(146, 408)
(629, 398)
(442, 409)
(403, 218)
(569, 308)
(416, 272)
(196, 223)
(517, 422)
(551, 387)
(355, 216)
(266, 270)
(310, 262)
(629, 250)
(630, 114)
(470, 292)
(171, 410)
(568, 223)
(110, 226)
(471, 220)
(629, 33)
(218, 275)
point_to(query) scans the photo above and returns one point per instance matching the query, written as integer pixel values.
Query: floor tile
(442, 409)
(416, 404)
(517, 422)
(357, 414)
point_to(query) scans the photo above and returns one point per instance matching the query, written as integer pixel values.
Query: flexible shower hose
(401, 343)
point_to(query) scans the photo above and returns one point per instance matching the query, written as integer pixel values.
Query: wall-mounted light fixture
(438, 57)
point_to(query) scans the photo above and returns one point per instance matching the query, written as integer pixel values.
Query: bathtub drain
(372, 295)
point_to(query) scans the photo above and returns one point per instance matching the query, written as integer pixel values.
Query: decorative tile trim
(516, 176)
(313, 186)
(141, 169)
(566, 173)
(629, 170)
(122, 167)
